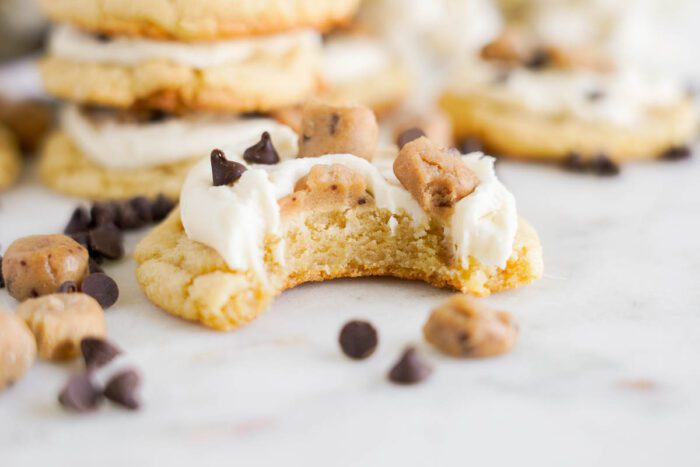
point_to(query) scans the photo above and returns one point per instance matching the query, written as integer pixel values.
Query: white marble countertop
(606, 371)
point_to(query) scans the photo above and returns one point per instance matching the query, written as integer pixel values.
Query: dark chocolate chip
(604, 166)
(262, 152)
(80, 237)
(596, 95)
(143, 208)
(94, 266)
(409, 135)
(127, 217)
(410, 369)
(98, 352)
(102, 288)
(106, 241)
(539, 59)
(103, 213)
(676, 153)
(575, 163)
(358, 339)
(471, 144)
(335, 121)
(161, 207)
(79, 221)
(80, 394)
(224, 171)
(68, 287)
(156, 116)
(101, 37)
(123, 389)
(2, 278)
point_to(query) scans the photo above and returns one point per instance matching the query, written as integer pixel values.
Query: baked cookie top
(200, 20)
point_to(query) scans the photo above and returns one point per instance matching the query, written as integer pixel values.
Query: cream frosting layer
(350, 58)
(235, 220)
(71, 43)
(620, 98)
(117, 145)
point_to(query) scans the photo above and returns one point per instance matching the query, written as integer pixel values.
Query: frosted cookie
(111, 155)
(234, 75)
(548, 103)
(245, 232)
(10, 161)
(200, 20)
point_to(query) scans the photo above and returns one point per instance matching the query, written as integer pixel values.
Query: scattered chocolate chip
(262, 152)
(540, 59)
(127, 218)
(143, 208)
(595, 95)
(94, 266)
(410, 369)
(80, 394)
(103, 213)
(123, 389)
(2, 278)
(80, 237)
(68, 287)
(409, 135)
(106, 241)
(676, 153)
(604, 166)
(471, 144)
(101, 37)
(335, 120)
(161, 207)
(575, 163)
(156, 116)
(358, 339)
(98, 352)
(79, 221)
(224, 171)
(102, 288)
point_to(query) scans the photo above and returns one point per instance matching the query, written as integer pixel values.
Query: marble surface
(606, 371)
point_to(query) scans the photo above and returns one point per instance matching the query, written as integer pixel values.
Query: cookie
(537, 111)
(117, 155)
(10, 161)
(200, 20)
(236, 75)
(425, 214)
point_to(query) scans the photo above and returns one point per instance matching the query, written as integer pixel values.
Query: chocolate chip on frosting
(358, 339)
(409, 135)
(410, 369)
(224, 171)
(262, 152)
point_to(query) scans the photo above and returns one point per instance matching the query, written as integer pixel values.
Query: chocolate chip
(333, 127)
(575, 163)
(2, 278)
(143, 207)
(410, 369)
(471, 144)
(102, 288)
(161, 207)
(127, 218)
(156, 116)
(93, 266)
(101, 37)
(409, 135)
(539, 59)
(262, 152)
(103, 213)
(97, 352)
(676, 153)
(79, 221)
(80, 237)
(80, 394)
(596, 95)
(68, 287)
(358, 339)
(106, 241)
(604, 166)
(224, 171)
(123, 389)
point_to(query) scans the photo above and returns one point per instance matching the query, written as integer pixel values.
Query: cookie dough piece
(17, 348)
(338, 129)
(65, 169)
(60, 322)
(200, 20)
(465, 327)
(252, 75)
(39, 264)
(10, 161)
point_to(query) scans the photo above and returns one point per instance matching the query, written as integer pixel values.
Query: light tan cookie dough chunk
(10, 161)
(65, 169)
(39, 264)
(200, 20)
(465, 327)
(338, 129)
(61, 321)
(17, 348)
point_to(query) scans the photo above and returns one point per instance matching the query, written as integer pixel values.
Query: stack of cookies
(154, 85)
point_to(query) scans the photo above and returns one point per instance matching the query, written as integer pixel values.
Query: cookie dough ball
(345, 129)
(465, 327)
(61, 321)
(17, 348)
(38, 265)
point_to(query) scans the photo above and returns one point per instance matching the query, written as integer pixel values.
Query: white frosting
(349, 58)
(116, 145)
(235, 220)
(68, 42)
(627, 95)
